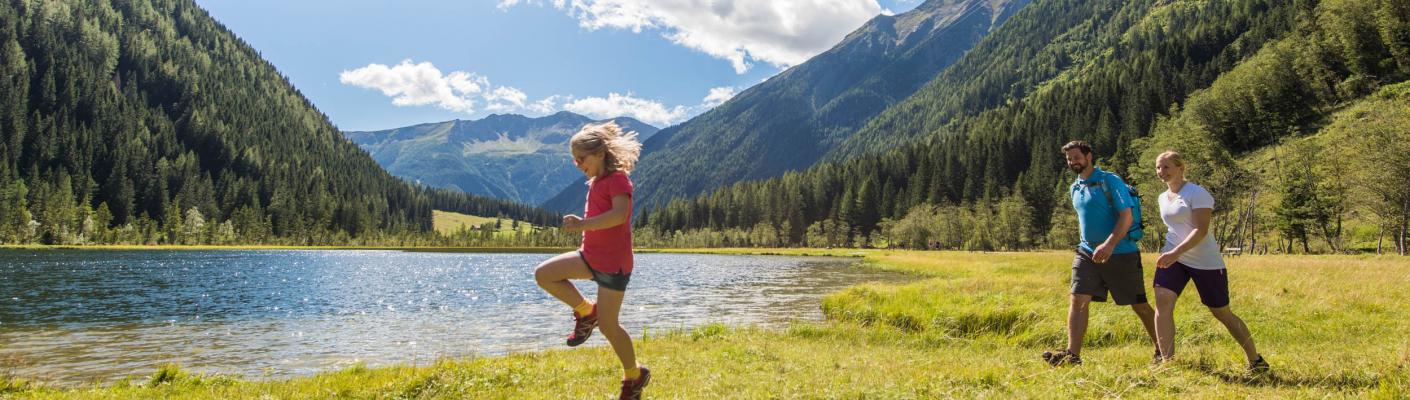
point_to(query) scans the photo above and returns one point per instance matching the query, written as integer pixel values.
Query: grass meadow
(447, 223)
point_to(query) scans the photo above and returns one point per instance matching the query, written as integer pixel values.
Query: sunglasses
(578, 160)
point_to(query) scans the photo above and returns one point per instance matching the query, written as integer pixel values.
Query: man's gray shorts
(1120, 275)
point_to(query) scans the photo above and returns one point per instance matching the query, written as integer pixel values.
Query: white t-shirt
(1178, 214)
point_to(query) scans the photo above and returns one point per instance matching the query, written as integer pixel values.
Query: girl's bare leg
(1165, 321)
(1238, 330)
(609, 307)
(553, 275)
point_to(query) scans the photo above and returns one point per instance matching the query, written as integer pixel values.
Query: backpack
(1138, 225)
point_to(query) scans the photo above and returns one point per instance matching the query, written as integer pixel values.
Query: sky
(382, 64)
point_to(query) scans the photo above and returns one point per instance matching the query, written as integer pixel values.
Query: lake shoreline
(212, 314)
(980, 339)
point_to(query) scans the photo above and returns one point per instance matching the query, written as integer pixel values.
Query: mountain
(791, 120)
(1007, 65)
(975, 152)
(511, 157)
(147, 121)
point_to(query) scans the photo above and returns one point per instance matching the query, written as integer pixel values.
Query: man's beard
(1075, 167)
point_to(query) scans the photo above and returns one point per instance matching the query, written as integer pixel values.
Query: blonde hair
(1172, 156)
(621, 148)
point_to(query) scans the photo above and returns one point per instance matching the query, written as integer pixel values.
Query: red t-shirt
(608, 250)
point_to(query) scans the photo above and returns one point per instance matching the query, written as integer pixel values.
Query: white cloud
(421, 84)
(503, 99)
(779, 32)
(717, 97)
(418, 84)
(547, 105)
(615, 105)
(648, 111)
(463, 82)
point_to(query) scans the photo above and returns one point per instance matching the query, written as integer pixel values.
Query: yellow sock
(634, 373)
(583, 309)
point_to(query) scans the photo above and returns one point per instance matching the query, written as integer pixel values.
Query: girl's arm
(1202, 217)
(619, 214)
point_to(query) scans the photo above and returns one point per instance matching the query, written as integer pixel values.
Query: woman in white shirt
(1191, 254)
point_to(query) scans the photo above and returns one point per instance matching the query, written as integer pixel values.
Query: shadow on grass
(1275, 379)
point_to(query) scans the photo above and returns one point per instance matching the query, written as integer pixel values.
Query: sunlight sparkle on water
(275, 314)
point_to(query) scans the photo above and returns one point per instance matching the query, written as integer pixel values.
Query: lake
(78, 316)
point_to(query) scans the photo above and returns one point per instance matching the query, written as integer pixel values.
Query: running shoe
(1061, 357)
(582, 327)
(631, 388)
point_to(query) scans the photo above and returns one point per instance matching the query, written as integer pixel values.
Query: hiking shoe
(582, 327)
(631, 388)
(1061, 357)
(1259, 366)
(1157, 360)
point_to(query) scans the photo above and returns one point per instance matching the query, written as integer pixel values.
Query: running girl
(605, 155)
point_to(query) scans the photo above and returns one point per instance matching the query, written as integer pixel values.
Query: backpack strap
(1136, 225)
(1105, 183)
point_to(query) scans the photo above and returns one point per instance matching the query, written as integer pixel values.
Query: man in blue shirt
(1107, 260)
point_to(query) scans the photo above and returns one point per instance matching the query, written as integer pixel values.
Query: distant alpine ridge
(511, 157)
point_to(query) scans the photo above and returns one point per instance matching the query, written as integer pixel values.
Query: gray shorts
(614, 281)
(1120, 275)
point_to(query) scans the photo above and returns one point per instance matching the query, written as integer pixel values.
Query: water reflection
(80, 316)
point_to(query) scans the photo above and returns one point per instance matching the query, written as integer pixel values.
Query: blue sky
(379, 64)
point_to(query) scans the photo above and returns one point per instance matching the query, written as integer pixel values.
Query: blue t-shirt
(1094, 212)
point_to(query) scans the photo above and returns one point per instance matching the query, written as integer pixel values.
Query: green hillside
(448, 223)
(1218, 79)
(791, 120)
(147, 121)
(1340, 189)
